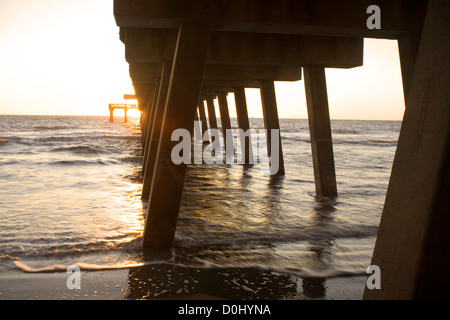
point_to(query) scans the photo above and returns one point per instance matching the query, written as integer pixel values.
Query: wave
(127, 137)
(376, 142)
(387, 142)
(52, 139)
(364, 141)
(199, 264)
(80, 150)
(76, 247)
(9, 162)
(346, 131)
(46, 128)
(63, 268)
(81, 162)
(4, 256)
(296, 138)
(29, 141)
(319, 237)
(301, 273)
(133, 159)
(168, 280)
(278, 236)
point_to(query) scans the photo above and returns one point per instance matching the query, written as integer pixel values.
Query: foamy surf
(296, 272)
(83, 267)
(205, 266)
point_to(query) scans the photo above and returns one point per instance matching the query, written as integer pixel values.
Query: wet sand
(168, 282)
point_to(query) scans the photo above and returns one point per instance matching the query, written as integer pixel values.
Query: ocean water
(70, 194)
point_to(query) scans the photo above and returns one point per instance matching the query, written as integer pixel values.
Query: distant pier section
(124, 106)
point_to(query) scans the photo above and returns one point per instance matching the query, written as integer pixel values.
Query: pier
(183, 55)
(124, 106)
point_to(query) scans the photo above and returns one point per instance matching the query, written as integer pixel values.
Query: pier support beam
(243, 121)
(155, 130)
(202, 114)
(143, 121)
(148, 125)
(225, 118)
(320, 131)
(211, 112)
(408, 47)
(182, 100)
(271, 120)
(111, 114)
(413, 245)
(125, 107)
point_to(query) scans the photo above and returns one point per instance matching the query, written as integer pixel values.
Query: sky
(64, 57)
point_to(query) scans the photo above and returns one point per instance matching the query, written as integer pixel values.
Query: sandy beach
(178, 283)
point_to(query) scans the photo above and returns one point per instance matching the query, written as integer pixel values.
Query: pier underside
(185, 54)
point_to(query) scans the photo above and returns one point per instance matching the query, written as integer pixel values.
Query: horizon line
(137, 117)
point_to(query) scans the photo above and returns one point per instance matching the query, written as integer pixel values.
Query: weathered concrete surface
(146, 124)
(320, 131)
(271, 122)
(211, 112)
(243, 48)
(147, 72)
(154, 131)
(243, 122)
(408, 47)
(413, 244)
(225, 118)
(324, 17)
(202, 115)
(182, 101)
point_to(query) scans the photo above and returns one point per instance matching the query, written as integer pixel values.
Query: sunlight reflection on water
(71, 193)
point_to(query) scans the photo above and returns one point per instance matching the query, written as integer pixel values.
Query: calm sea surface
(70, 193)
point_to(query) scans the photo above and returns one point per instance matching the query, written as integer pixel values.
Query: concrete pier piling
(147, 126)
(243, 122)
(413, 244)
(155, 130)
(182, 100)
(217, 47)
(408, 47)
(202, 114)
(271, 122)
(320, 131)
(211, 111)
(225, 119)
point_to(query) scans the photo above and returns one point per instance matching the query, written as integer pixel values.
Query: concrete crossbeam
(325, 17)
(149, 71)
(240, 48)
